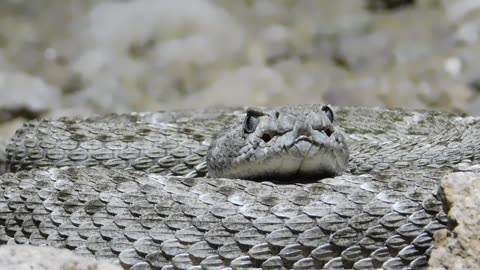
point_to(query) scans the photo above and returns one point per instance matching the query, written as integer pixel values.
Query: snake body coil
(130, 188)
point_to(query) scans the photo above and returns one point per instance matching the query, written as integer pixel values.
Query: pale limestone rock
(47, 258)
(459, 249)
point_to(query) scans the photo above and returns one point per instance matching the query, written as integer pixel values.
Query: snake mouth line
(304, 138)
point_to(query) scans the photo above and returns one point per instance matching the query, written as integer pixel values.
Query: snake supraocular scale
(138, 196)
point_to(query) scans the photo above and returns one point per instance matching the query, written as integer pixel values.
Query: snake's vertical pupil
(328, 111)
(266, 137)
(250, 123)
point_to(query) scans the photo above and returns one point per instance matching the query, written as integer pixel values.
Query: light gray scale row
(147, 221)
(168, 146)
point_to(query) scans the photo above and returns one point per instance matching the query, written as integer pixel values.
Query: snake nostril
(266, 137)
(329, 131)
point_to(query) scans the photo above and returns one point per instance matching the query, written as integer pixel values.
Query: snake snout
(302, 128)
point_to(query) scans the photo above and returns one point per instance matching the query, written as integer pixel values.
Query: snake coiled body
(131, 188)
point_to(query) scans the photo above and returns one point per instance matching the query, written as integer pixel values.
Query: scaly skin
(381, 212)
(279, 143)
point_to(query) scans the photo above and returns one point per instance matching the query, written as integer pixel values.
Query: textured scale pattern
(353, 222)
(381, 213)
(153, 142)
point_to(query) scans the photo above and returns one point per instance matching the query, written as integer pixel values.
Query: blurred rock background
(69, 57)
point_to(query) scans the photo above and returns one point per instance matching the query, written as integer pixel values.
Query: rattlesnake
(136, 188)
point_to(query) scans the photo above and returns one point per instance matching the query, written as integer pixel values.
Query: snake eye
(266, 137)
(329, 112)
(250, 123)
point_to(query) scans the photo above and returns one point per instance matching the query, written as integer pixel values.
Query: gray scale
(128, 205)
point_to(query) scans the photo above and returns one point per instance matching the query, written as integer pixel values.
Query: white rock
(47, 258)
(249, 85)
(458, 9)
(189, 30)
(453, 65)
(22, 91)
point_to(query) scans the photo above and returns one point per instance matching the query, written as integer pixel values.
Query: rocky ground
(68, 57)
(460, 248)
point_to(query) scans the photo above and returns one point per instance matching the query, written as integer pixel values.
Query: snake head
(280, 143)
